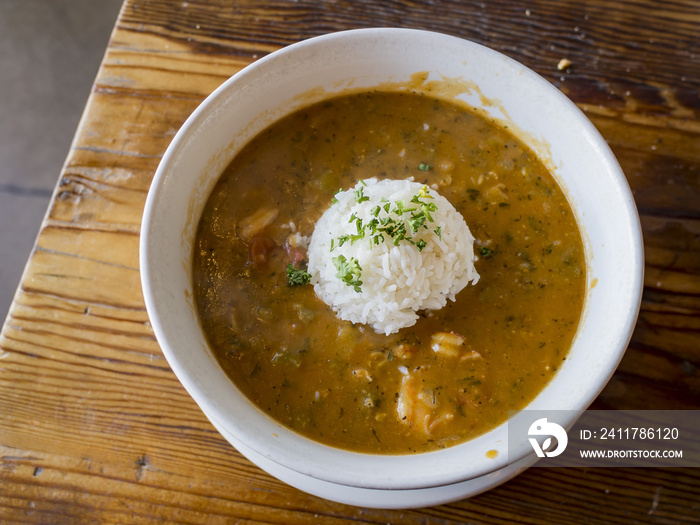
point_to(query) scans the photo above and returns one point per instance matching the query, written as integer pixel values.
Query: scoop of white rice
(391, 278)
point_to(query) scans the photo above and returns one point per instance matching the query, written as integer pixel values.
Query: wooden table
(94, 426)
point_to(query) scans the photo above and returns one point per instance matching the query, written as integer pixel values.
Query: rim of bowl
(268, 438)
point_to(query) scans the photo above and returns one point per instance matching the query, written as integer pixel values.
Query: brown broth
(339, 383)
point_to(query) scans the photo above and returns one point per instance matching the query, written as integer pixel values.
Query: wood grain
(94, 426)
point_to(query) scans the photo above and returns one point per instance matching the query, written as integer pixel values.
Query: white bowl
(317, 68)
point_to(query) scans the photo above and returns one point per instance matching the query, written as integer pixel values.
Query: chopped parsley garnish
(485, 252)
(360, 195)
(393, 221)
(348, 271)
(424, 166)
(297, 277)
(389, 220)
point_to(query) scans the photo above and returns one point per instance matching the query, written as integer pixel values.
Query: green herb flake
(360, 228)
(348, 271)
(360, 195)
(424, 166)
(485, 252)
(297, 276)
(416, 221)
